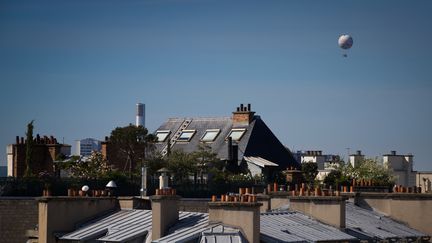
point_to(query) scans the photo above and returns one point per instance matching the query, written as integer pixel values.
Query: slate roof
(257, 141)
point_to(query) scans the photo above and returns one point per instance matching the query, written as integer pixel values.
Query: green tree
(29, 150)
(369, 169)
(131, 144)
(94, 168)
(309, 171)
(204, 159)
(182, 165)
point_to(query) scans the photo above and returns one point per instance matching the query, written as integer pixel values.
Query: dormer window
(210, 135)
(237, 133)
(186, 135)
(162, 135)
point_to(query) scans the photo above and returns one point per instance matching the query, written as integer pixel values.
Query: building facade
(85, 147)
(402, 168)
(44, 152)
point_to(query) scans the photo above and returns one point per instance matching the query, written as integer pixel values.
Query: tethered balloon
(345, 42)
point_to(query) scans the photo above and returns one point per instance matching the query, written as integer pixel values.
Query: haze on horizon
(79, 67)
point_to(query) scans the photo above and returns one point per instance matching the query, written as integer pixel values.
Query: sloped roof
(290, 226)
(368, 224)
(257, 141)
(189, 227)
(117, 227)
(222, 234)
(259, 161)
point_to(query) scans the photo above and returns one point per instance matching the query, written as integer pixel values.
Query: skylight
(186, 135)
(210, 135)
(237, 133)
(162, 135)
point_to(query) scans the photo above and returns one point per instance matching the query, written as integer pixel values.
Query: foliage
(204, 159)
(154, 163)
(309, 171)
(94, 168)
(130, 144)
(369, 169)
(181, 165)
(29, 149)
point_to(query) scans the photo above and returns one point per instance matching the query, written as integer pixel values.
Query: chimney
(164, 212)
(359, 152)
(393, 152)
(330, 210)
(243, 215)
(234, 155)
(243, 116)
(17, 140)
(230, 155)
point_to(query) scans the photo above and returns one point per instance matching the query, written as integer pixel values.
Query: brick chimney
(330, 210)
(243, 116)
(165, 212)
(242, 215)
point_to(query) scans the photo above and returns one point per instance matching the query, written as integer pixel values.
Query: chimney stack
(230, 154)
(330, 210)
(164, 212)
(243, 215)
(243, 116)
(359, 152)
(393, 152)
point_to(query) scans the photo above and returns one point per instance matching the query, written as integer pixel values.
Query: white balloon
(85, 188)
(345, 42)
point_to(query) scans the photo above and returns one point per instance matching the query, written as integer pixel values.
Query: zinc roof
(259, 161)
(117, 227)
(291, 226)
(221, 234)
(189, 227)
(364, 223)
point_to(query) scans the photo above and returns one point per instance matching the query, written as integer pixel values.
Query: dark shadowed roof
(257, 141)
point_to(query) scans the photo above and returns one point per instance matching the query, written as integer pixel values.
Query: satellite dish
(345, 42)
(85, 188)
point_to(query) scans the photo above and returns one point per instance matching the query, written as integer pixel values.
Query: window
(186, 135)
(162, 135)
(237, 134)
(210, 135)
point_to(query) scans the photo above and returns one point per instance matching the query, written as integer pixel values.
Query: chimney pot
(249, 107)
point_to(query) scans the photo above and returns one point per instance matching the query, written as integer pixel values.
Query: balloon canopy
(345, 42)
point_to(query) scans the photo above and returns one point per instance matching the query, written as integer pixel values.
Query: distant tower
(140, 115)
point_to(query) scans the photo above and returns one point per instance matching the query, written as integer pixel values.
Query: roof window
(210, 135)
(237, 133)
(186, 135)
(162, 135)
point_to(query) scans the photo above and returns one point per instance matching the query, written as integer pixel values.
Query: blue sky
(78, 68)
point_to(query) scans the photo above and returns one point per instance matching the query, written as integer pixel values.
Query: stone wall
(16, 216)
